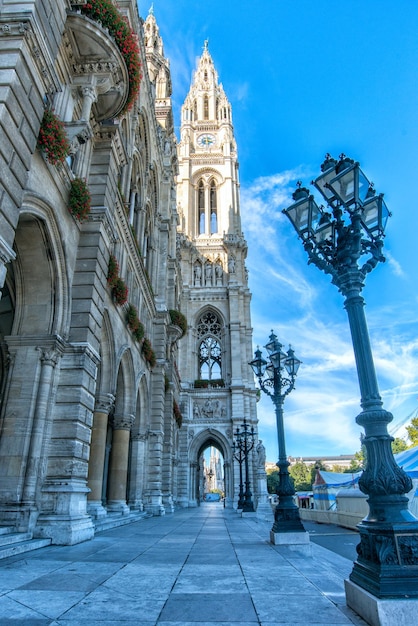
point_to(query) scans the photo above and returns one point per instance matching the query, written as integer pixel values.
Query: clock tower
(217, 383)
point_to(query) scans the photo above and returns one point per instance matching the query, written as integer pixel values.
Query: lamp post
(244, 443)
(345, 240)
(210, 474)
(277, 380)
(239, 456)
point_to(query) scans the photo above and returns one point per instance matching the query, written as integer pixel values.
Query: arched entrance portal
(212, 475)
(206, 439)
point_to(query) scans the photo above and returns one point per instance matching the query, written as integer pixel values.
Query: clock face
(206, 140)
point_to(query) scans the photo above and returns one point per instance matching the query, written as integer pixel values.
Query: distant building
(343, 460)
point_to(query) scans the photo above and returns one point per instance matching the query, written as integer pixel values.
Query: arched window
(210, 350)
(201, 207)
(195, 110)
(206, 108)
(213, 208)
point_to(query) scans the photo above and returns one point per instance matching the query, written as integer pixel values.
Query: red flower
(79, 203)
(52, 138)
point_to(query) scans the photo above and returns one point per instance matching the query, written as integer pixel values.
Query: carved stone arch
(203, 440)
(141, 423)
(207, 174)
(206, 438)
(125, 402)
(40, 273)
(206, 308)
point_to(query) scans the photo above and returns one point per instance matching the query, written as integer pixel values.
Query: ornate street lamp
(277, 380)
(345, 240)
(238, 453)
(210, 474)
(242, 446)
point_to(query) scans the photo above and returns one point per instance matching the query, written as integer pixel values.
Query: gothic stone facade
(87, 417)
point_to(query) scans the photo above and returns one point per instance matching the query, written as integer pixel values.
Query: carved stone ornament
(105, 403)
(123, 421)
(408, 549)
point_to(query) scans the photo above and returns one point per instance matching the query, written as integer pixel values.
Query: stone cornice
(24, 26)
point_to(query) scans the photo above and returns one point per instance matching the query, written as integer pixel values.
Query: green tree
(272, 480)
(412, 431)
(356, 465)
(399, 445)
(319, 464)
(301, 475)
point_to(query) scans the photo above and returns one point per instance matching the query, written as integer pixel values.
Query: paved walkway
(198, 566)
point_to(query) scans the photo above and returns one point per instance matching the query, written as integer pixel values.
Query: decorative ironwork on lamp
(346, 240)
(277, 380)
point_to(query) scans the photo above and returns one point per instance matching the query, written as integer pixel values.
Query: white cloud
(394, 265)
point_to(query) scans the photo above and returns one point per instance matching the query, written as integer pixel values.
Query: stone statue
(197, 273)
(208, 274)
(261, 454)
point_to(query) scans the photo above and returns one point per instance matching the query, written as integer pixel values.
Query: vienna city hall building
(125, 329)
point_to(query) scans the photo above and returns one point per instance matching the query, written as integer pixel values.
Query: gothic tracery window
(213, 208)
(210, 351)
(201, 207)
(207, 208)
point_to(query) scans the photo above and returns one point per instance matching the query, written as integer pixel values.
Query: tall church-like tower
(217, 390)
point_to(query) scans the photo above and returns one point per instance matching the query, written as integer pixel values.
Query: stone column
(229, 484)
(49, 358)
(103, 407)
(89, 97)
(137, 472)
(118, 466)
(193, 481)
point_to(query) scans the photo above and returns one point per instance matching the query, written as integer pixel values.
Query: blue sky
(306, 78)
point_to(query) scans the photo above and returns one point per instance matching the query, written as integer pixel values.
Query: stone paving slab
(201, 566)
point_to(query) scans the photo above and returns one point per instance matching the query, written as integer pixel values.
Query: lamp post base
(377, 611)
(286, 517)
(387, 563)
(296, 541)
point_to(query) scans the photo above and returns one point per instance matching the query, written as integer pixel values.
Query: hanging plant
(120, 291)
(178, 319)
(133, 322)
(79, 203)
(177, 414)
(112, 270)
(148, 352)
(52, 138)
(106, 13)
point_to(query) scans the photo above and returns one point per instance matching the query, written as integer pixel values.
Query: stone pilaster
(103, 406)
(137, 474)
(64, 515)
